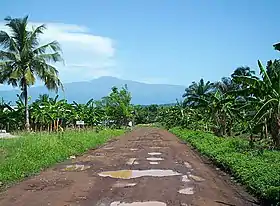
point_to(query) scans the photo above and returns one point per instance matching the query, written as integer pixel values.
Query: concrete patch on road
(76, 167)
(149, 203)
(129, 174)
(124, 184)
(156, 147)
(108, 148)
(154, 153)
(196, 178)
(188, 165)
(132, 161)
(187, 191)
(185, 178)
(154, 158)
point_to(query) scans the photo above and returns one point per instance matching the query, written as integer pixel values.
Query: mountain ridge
(142, 93)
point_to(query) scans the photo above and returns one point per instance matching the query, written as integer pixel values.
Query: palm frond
(53, 46)
(277, 46)
(18, 30)
(34, 35)
(7, 42)
(8, 56)
(52, 58)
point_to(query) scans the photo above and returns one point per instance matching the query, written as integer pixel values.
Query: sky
(154, 41)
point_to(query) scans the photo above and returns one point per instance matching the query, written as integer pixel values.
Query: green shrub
(31, 153)
(258, 171)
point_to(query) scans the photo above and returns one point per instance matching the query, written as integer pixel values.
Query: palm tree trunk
(27, 124)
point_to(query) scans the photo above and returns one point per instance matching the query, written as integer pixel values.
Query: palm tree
(23, 59)
(197, 89)
(226, 85)
(243, 71)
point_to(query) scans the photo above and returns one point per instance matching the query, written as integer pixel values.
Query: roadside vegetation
(45, 129)
(235, 121)
(255, 167)
(33, 152)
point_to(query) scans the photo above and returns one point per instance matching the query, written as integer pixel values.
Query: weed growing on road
(259, 171)
(29, 154)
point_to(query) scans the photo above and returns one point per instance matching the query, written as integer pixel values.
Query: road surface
(146, 167)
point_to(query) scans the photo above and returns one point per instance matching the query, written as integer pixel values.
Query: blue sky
(155, 41)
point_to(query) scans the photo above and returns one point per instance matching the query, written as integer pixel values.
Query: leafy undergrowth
(258, 170)
(30, 153)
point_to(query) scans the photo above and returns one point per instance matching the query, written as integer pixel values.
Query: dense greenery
(54, 114)
(21, 157)
(241, 104)
(23, 59)
(255, 168)
(244, 105)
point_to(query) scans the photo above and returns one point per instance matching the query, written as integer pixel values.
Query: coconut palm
(243, 71)
(197, 89)
(23, 59)
(226, 85)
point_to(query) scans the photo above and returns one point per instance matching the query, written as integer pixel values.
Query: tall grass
(30, 153)
(258, 170)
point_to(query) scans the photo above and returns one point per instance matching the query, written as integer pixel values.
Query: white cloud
(87, 56)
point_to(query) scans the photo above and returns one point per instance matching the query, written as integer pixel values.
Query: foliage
(23, 59)
(54, 114)
(117, 107)
(146, 114)
(32, 152)
(241, 104)
(260, 172)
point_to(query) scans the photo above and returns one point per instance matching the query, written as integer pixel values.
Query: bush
(30, 153)
(258, 171)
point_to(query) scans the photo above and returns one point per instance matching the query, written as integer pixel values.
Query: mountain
(81, 92)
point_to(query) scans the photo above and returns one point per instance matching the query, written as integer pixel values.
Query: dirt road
(144, 167)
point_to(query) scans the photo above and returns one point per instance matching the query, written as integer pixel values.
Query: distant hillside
(83, 91)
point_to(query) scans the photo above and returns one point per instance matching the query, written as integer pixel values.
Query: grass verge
(30, 153)
(258, 170)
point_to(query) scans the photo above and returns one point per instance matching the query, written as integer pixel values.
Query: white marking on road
(154, 153)
(131, 161)
(186, 191)
(196, 178)
(108, 148)
(185, 178)
(124, 184)
(188, 165)
(154, 163)
(76, 167)
(154, 158)
(156, 147)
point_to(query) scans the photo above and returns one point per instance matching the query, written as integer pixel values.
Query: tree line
(54, 114)
(243, 103)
